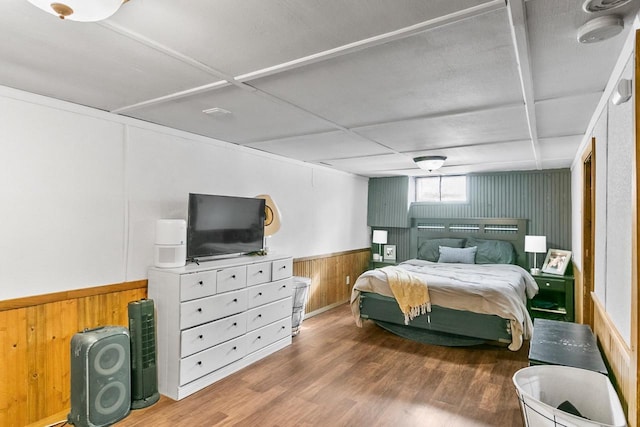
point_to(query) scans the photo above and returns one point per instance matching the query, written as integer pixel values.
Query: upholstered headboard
(509, 229)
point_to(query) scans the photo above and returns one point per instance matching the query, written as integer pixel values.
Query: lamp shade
(535, 244)
(379, 237)
(80, 10)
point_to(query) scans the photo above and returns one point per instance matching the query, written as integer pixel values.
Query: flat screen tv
(224, 225)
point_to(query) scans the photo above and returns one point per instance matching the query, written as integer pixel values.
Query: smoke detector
(601, 28)
(593, 6)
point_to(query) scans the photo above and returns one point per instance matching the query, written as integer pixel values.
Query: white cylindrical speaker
(170, 249)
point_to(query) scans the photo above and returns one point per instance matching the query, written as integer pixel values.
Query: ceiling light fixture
(601, 28)
(430, 163)
(80, 10)
(594, 6)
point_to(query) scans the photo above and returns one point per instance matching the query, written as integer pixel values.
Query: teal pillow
(457, 255)
(429, 250)
(493, 251)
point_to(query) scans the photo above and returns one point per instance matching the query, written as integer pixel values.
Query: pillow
(493, 251)
(430, 249)
(460, 255)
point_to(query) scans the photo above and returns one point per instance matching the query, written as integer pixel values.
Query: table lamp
(380, 238)
(535, 245)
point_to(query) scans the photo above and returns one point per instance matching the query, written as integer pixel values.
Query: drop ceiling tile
(239, 37)
(561, 65)
(252, 117)
(367, 165)
(322, 147)
(85, 63)
(559, 149)
(478, 154)
(565, 116)
(464, 65)
(501, 124)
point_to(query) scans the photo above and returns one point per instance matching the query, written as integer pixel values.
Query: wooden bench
(566, 344)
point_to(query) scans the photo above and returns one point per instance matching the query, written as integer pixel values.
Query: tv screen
(224, 225)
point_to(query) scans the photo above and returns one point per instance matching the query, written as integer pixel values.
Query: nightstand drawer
(548, 284)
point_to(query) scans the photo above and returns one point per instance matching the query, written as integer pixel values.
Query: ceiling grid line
(519, 34)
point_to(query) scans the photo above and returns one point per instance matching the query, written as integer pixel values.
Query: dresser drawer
(262, 294)
(258, 273)
(197, 285)
(282, 269)
(207, 361)
(548, 284)
(268, 335)
(203, 310)
(230, 279)
(269, 313)
(202, 337)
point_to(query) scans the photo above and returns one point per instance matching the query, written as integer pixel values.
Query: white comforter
(499, 289)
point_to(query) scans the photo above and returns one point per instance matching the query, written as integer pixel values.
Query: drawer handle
(199, 363)
(548, 284)
(260, 272)
(235, 348)
(259, 294)
(235, 323)
(200, 336)
(201, 283)
(259, 315)
(283, 286)
(233, 277)
(284, 267)
(235, 300)
(199, 310)
(259, 337)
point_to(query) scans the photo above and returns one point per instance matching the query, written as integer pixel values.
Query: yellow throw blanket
(411, 293)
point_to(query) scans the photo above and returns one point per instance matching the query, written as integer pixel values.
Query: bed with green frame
(447, 326)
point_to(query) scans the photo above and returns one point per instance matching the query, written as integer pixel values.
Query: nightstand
(554, 299)
(379, 264)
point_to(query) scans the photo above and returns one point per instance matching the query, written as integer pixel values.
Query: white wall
(613, 128)
(81, 189)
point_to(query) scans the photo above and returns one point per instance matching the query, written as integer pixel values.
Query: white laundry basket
(300, 295)
(541, 389)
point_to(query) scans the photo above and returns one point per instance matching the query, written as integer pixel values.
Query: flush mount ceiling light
(601, 28)
(80, 10)
(430, 163)
(592, 6)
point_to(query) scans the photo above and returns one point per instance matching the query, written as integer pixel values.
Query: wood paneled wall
(36, 332)
(617, 354)
(35, 342)
(329, 277)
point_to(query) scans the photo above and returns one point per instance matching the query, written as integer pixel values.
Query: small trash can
(300, 294)
(588, 396)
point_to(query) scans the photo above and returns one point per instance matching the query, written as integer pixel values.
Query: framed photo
(389, 252)
(556, 261)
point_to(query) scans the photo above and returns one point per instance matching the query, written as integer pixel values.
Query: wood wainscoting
(36, 332)
(617, 355)
(35, 342)
(329, 274)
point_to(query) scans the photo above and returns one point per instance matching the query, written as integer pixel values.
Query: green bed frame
(445, 326)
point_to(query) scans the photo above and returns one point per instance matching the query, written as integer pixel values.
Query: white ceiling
(358, 85)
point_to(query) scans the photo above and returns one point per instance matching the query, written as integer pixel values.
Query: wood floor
(336, 374)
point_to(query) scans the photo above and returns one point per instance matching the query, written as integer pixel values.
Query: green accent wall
(542, 197)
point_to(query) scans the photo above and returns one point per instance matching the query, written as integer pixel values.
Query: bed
(482, 299)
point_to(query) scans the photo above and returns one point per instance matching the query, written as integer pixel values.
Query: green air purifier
(144, 371)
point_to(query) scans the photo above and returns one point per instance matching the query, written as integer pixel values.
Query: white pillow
(458, 255)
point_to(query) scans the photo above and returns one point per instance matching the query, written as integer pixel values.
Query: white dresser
(218, 317)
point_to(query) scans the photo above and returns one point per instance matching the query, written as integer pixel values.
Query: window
(441, 189)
